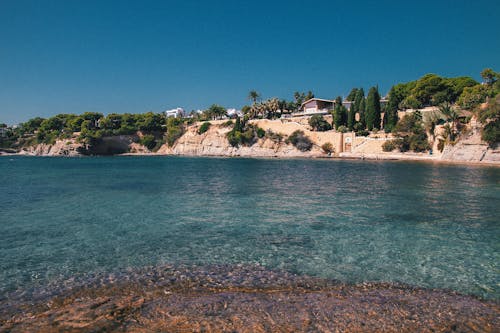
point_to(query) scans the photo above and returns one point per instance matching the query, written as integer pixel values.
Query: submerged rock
(224, 298)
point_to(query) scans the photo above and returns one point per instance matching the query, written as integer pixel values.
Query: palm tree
(452, 116)
(253, 96)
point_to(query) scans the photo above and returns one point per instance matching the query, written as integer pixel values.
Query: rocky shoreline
(470, 150)
(243, 299)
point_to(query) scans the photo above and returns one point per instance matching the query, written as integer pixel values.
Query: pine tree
(373, 109)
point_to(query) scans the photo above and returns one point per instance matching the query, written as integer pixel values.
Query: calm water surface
(426, 225)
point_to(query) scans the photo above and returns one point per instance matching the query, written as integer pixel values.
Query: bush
(300, 141)
(227, 123)
(148, 141)
(204, 127)
(389, 146)
(318, 123)
(362, 133)
(175, 129)
(327, 148)
(342, 129)
(275, 137)
(491, 132)
(260, 132)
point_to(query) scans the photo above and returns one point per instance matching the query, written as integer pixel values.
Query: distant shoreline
(350, 157)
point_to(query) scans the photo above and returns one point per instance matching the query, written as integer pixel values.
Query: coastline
(344, 157)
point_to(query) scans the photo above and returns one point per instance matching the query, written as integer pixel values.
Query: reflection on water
(422, 224)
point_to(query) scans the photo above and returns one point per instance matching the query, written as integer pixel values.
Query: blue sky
(138, 56)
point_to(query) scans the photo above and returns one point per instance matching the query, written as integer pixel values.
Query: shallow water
(433, 226)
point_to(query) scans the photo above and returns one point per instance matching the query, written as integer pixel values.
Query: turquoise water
(425, 225)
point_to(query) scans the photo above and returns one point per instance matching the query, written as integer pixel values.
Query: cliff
(469, 149)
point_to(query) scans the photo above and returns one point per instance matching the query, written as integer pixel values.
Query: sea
(419, 224)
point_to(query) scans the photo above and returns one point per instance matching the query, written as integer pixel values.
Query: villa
(323, 106)
(175, 113)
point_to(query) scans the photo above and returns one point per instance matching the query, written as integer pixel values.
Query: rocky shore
(241, 299)
(470, 150)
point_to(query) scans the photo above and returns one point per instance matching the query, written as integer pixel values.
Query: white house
(175, 113)
(233, 113)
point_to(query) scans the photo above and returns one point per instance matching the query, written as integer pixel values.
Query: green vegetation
(318, 123)
(300, 141)
(410, 135)
(242, 134)
(175, 129)
(204, 127)
(148, 141)
(339, 113)
(490, 116)
(328, 148)
(372, 116)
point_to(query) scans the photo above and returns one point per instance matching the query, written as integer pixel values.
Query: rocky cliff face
(214, 143)
(471, 149)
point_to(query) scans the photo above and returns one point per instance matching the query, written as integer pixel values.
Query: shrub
(204, 127)
(318, 123)
(300, 141)
(362, 133)
(227, 123)
(342, 129)
(327, 148)
(389, 146)
(175, 129)
(148, 141)
(260, 132)
(276, 137)
(491, 132)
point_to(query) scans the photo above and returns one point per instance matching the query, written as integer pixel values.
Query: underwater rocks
(223, 298)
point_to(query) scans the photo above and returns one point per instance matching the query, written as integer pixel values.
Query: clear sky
(72, 56)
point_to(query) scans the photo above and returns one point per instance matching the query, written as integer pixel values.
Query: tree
(339, 113)
(359, 106)
(489, 76)
(391, 110)
(490, 116)
(216, 111)
(352, 95)
(318, 123)
(351, 117)
(253, 96)
(373, 109)
(451, 115)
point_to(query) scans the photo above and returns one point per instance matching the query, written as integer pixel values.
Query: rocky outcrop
(65, 147)
(214, 143)
(471, 149)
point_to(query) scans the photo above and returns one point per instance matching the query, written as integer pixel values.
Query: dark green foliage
(389, 146)
(204, 127)
(391, 110)
(350, 119)
(372, 115)
(215, 111)
(260, 132)
(490, 116)
(491, 133)
(352, 95)
(149, 141)
(300, 141)
(175, 129)
(242, 134)
(339, 113)
(318, 123)
(411, 134)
